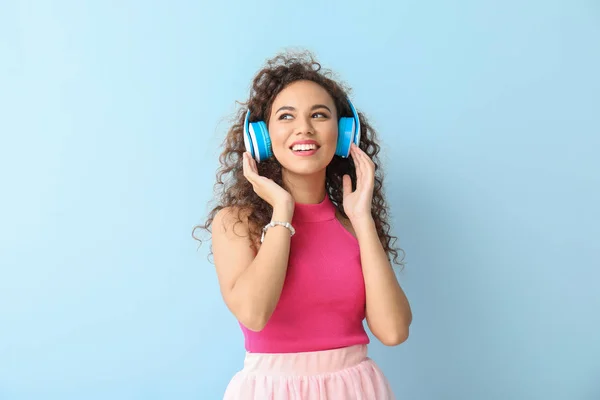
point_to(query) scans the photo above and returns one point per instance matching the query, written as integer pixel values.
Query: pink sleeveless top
(322, 305)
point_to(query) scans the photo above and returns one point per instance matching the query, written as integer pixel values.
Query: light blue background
(111, 117)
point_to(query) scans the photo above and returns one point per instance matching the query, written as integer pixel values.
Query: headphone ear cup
(261, 142)
(346, 131)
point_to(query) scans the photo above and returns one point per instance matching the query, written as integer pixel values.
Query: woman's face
(303, 127)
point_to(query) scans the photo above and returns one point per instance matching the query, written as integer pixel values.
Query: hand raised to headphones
(264, 187)
(357, 204)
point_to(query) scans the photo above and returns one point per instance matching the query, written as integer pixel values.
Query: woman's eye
(315, 115)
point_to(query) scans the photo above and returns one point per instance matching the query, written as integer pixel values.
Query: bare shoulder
(231, 222)
(232, 247)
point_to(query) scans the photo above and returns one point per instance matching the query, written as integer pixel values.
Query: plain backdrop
(111, 117)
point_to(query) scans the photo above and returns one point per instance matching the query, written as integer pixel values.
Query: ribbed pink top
(322, 305)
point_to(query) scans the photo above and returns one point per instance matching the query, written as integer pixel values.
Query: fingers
(365, 167)
(249, 168)
(347, 185)
(358, 163)
(358, 153)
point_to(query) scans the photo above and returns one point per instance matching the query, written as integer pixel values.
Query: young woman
(301, 241)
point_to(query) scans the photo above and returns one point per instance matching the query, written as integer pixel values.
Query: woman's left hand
(357, 204)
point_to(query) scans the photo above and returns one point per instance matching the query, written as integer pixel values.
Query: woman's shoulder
(232, 219)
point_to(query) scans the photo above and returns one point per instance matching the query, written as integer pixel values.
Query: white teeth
(303, 147)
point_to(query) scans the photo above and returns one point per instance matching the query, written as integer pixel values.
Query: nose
(305, 126)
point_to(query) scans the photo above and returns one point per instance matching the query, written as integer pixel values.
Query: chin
(305, 171)
(305, 165)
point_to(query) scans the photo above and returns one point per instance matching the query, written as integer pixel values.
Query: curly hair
(233, 189)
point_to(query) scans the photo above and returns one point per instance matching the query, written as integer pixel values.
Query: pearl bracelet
(272, 224)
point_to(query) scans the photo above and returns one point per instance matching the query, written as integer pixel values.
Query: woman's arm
(251, 285)
(388, 311)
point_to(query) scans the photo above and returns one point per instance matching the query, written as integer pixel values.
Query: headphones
(258, 142)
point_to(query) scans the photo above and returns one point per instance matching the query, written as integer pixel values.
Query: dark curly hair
(233, 188)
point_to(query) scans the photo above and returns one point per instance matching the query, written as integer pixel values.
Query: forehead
(303, 93)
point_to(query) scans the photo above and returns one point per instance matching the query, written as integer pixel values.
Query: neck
(305, 189)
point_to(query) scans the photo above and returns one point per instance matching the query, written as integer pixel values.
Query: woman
(301, 241)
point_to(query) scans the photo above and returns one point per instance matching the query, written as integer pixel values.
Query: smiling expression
(303, 127)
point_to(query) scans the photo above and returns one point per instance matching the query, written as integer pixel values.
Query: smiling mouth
(301, 148)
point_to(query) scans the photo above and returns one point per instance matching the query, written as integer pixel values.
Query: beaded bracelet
(272, 224)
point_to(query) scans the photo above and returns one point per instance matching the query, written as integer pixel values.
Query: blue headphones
(258, 142)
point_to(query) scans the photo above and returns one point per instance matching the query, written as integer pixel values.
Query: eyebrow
(316, 106)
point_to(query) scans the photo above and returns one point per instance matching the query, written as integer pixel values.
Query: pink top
(322, 305)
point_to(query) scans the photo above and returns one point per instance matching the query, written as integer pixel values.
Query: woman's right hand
(266, 188)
